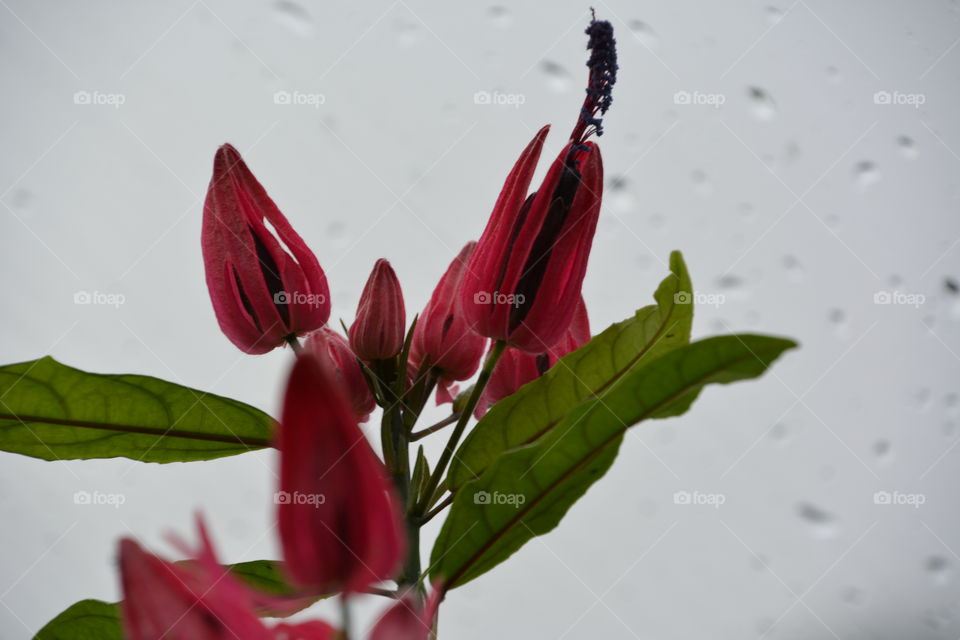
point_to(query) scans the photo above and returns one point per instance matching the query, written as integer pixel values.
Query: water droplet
(883, 451)
(294, 17)
(794, 269)
(951, 286)
(791, 152)
(950, 402)
(779, 432)
(337, 230)
(866, 173)
(701, 183)
(833, 75)
(746, 210)
(852, 595)
(823, 524)
(938, 567)
(500, 17)
(558, 78)
(407, 32)
(922, 398)
(729, 281)
(908, 148)
(762, 105)
(774, 14)
(645, 34)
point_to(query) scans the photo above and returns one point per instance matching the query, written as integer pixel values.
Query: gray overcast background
(799, 195)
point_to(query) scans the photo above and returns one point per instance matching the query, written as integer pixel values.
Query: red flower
(194, 601)
(407, 619)
(377, 333)
(265, 284)
(330, 345)
(442, 340)
(522, 282)
(339, 519)
(517, 368)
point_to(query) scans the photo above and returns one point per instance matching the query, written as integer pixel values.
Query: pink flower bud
(330, 345)
(524, 278)
(407, 619)
(338, 516)
(377, 333)
(442, 340)
(264, 282)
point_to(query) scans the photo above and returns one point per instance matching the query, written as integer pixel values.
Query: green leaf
(84, 620)
(538, 406)
(527, 491)
(54, 412)
(98, 620)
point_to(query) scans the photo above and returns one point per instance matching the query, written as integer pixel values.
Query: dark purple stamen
(603, 75)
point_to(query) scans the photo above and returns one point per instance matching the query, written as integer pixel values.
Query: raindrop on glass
(794, 269)
(500, 17)
(701, 183)
(762, 105)
(294, 17)
(646, 35)
(866, 173)
(558, 78)
(908, 147)
(833, 75)
(938, 567)
(883, 451)
(774, 15)
(822, 524)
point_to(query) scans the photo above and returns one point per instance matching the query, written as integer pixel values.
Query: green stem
(416, 435)
(344, 618)
(482, 379)
(294, 343)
